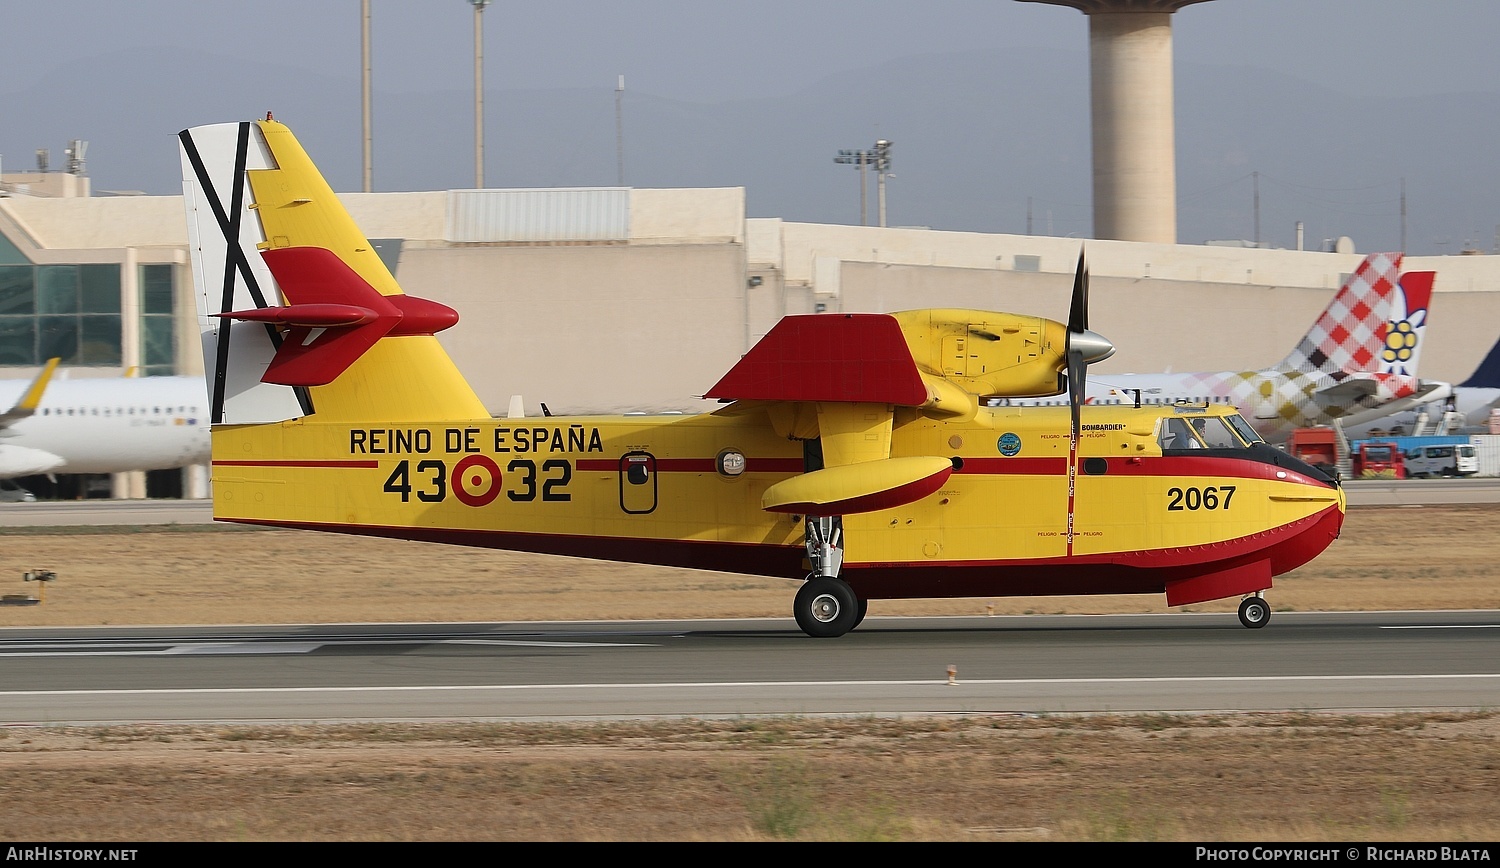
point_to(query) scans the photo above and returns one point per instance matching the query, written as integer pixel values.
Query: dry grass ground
(1146, 777)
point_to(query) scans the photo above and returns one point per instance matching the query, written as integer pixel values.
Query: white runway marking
(699, 685)
(171, 649)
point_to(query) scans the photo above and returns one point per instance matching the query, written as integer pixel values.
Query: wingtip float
(857, 452)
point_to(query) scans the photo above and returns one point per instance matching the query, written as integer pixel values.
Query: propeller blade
(1077, 375)
(1078, 315)
(1083, 346)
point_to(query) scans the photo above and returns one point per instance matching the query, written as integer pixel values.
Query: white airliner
(1358, 362)
(103, 425)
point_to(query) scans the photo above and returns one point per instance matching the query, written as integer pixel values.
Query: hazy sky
(707, 50)
(701, 50)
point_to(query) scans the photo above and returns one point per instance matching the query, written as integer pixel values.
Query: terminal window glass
(57, 289)
(17, 340)
(99, 288)
(158, 336)
(17, 290)
(10, 254)
(57, 337)
(71, 312)
(99, 342)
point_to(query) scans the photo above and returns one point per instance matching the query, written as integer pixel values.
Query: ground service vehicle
(853, 451)
(1449, 459)
(10, 492)
(1318, 446)
(1373, 459)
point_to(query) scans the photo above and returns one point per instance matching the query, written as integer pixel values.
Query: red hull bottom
(1186, 575)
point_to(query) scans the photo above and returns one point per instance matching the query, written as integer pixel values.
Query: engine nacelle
(988, 353)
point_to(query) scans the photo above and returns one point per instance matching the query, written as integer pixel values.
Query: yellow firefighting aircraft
(856, 452)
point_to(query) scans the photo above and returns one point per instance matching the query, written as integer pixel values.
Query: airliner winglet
(26, 406)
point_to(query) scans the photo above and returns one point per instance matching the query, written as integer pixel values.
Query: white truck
(1449, 459)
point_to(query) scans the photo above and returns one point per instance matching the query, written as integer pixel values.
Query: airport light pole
(882, 154)
(479, 92)
(364, 18)
(620, 131)
(861, 159)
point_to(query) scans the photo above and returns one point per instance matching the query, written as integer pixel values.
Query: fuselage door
(638, 483)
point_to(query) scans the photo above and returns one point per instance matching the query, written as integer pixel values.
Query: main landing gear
(826, 606)
(1254, 611)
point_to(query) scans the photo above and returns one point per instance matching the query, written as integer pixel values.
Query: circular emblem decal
(476, 481)
(731, 463)
(1009, 444)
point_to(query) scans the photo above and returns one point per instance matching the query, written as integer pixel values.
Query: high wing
(840, 379)
(27, 404)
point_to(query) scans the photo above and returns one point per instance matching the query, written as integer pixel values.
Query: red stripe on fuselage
(697, 465)
(365, 465)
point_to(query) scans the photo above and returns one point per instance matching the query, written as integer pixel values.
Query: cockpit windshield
(1201, 432)
(1242, 428)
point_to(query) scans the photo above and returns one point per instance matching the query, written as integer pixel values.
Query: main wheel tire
(1254, 612)
(864, 607)
(826, 607)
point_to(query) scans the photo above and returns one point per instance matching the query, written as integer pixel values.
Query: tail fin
(1350, 334)
(298, 314)
(1408, 323)
(1487, 375)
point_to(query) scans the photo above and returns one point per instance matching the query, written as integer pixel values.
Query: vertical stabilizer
(1406, 331)
(322, 330)
(1487, 375)
(1350, 333)
(224, 238)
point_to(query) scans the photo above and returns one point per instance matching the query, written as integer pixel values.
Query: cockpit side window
(1175, 434)
(1202, 432)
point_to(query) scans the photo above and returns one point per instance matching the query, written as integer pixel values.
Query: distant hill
(987, 141)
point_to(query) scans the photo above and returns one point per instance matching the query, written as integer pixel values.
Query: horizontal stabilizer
(855, 488)
(1371, 389)
(335, 316)
(1349, 391)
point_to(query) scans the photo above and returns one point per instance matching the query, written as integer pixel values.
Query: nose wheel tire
(1254, 612)
(826, 607)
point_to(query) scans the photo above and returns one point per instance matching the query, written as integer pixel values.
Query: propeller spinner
(1084, 347)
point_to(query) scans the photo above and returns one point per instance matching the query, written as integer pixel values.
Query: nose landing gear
(1255, 612)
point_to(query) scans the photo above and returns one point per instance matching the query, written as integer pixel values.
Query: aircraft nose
(1094, 346)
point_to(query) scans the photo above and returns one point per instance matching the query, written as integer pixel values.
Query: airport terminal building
(618, 299)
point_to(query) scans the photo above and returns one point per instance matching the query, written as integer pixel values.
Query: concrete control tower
(1130, 63)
